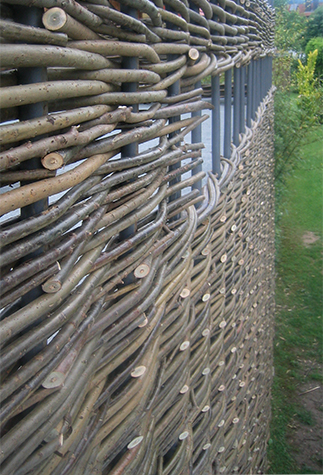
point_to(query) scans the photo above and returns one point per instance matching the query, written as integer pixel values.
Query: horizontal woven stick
(37, 279)
(139, 134)
(107, 75)
(147, 7)
(191, 201)
(199, 30)
(134, 172)
(144, 115)
(37, 369)
(42, 147)
(46, 56)
(179, 109)
(112, 48)
(123, 267)
(197, 120)
(125, 20)
(198, 67)
(171, 48)
(54, 284)
(205, 6)
(120, 114)
(73, 8)
(167, 66)
(172, 35)
(170, 17)
(66, 248)
(25, 175)
(183, 169)
(185, 183)
(56, 19)
(127, 162)
(55, 160)
(129, 210)
(198, 19)
(30, 34)
(206, 72)
(182, 97)
(47, 417)
(133, 241)
(24, 317)
(78, 302)
(130, 188)
(31, 128)
(11, 232)
(168, 81)
(48, 91)
(120, 308)
(114, 98)
(45, 237)
(120, 34)
(179, 7)
(168, 129)
(31, 193)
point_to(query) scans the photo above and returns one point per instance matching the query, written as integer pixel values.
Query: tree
(290, 30)
(314, 26)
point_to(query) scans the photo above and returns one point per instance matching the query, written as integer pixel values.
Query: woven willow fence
(136, 303)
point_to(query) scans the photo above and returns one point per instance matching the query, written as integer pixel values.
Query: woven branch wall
(136, 322)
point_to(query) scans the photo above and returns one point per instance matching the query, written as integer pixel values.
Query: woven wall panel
(136, 323)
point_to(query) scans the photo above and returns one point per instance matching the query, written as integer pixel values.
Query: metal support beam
(196, 138)
(249, 93)
(216, 124)
(255, 89)
(227, 113)
(236, 104)
(130, 150)
(31, 17)
(174, 90)
(242, 100)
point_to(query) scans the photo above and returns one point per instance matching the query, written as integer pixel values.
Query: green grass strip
(298, 299)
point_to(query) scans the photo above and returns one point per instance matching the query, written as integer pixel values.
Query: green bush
(312, 45)
(314, 26)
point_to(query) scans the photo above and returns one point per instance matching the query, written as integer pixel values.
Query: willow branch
(30, 34)
(50, 123)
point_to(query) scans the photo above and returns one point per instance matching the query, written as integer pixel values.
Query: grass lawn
(298, 342)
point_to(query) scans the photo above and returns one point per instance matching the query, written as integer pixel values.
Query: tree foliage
(290, 31)
(299, 99)
(314, 26)
(295, 116)
(312, 45)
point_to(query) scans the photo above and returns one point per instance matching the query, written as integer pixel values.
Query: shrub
(312, 45)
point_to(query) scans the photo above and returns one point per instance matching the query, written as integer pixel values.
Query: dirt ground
(307, 431)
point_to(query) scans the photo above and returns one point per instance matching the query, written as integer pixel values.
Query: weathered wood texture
(148, 347)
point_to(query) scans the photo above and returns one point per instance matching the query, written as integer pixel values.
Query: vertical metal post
(242, 99)
(31, 17)
(255, 86)
(197, 132)
(130, 150)
(227, 113)
(265, 73)
(174, 90)
(216, 123)
(196, 138)
(236, 104)
(249, 93)
(261, 77)
(258, 84)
